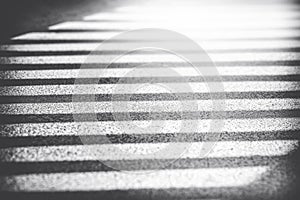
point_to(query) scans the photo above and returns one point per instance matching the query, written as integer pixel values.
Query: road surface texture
(46, 152)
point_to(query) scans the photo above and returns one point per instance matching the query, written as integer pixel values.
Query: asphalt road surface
(92, 131)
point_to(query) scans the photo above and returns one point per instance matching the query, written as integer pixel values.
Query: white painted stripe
(207, 8)
(140, 58)
(245, 86)
(66, 36)
(136, 151)
(198, 35)
(147, 179)
(173, 25)
(149, 106)
(168, 126)
(138, 16)
(206, 45)
(149, 72)
(56, 47)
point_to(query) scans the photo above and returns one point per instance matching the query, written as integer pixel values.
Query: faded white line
(167, 126)
(224, 9)
(148, 72)
(147, 179)
(189, 87)
(152, 58)
(198, 35)
(173, 25)
(149, 106)
(137, 16)
(207, 45)
(222, 149)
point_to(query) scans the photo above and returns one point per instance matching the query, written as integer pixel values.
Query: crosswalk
(46, 152)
